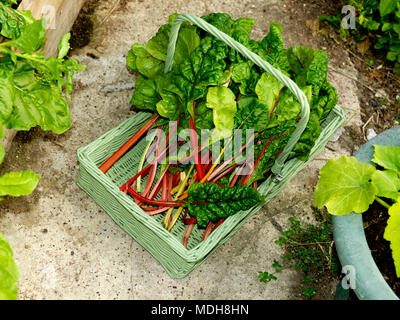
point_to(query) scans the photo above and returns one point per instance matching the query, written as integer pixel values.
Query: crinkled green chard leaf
(392, 234)
(245, 76)
(325, 102)
(18, 184)
(320, 107)
(32, 38)
(286, 107)
(387, 183)
(275, 138)
(221, 21)
(148, 92)
(312, 131)
(307, 140)
(272, 48)
(251, 114)
(241, 29)
(9, 2)
(238, 29)
(204, 116)
(222, 101)
(9, 274)
(149, 59)
(205, 67)
(208, 202)
(148, 63)
(13, 22)
(281, 105)
(310, 67)
(344, 186)
(268, 90)
(387, 157)
(7, 92)
(188, 81)
(170, 106)
(63, 46)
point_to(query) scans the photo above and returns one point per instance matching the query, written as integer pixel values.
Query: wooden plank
(60, 15)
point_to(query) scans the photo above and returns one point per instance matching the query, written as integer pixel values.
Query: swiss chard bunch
(223, 91)
(347, 185)
(212, 88)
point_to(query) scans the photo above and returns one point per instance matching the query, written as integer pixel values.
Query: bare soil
(83, 28)
(375, 221)
(378, 93)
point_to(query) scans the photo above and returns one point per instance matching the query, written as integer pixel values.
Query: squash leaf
(344, 186)
(387, 183)
(387, 157)
(392, 234)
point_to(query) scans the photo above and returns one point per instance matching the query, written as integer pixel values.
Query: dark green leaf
(13, 22)
(387, 6)
(208, 202)
(32, 38)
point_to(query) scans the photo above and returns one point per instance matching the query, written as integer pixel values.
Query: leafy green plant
(31, 93)
(347, 185)
(308, 249)
(209, 202)
(212, 86)
(379, 21)
(32, 90)
(31, 86)
(9, 274)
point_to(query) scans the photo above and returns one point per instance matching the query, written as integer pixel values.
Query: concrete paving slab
(66, 247)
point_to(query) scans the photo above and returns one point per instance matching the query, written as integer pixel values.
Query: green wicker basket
(147, 230)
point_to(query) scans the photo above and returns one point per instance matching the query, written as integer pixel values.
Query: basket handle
(305, 107)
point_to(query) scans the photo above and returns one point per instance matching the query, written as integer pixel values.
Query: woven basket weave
(147, 230)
